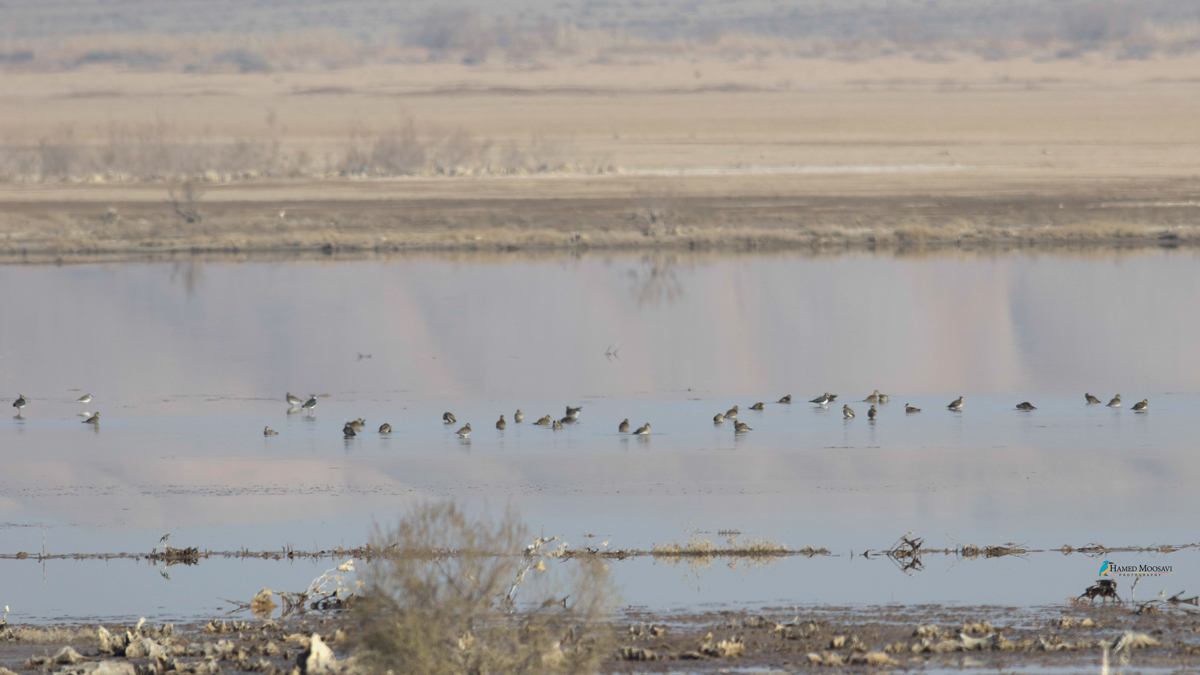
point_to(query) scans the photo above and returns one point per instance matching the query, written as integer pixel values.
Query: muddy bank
(83, 223)
(858, 639)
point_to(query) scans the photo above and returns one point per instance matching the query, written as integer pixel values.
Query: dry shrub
(920, 232)
(59, 157)
(157, 149)
(422, 150)
(147, 150)
(536, 155)
(186, 200)
(453, 595)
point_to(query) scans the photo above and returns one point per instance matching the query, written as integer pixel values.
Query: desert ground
(686, 150)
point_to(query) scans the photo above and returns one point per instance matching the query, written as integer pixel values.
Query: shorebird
(519, 417)
(847, 412)
(911, 408)
(95, 419)
(311, 403)
(822, 400)
(19, 403)
(731, 414)
(1090, 399)
(718, 419)
(1115, 402)
(643, 430)
(741, 428)
(1025, 405)
(448, 418)
(348, 431)
(464, 431)
(758, 406)
(569, 420)
(872, 413)
(832, 397)
(1141, 406)
(268, 431)
(294, 401)
(385, 428)
(357, 424)
(85, 399)
(786, 399)
(573, 413)
(873, 398)
(956, 405)
(624, 427)
(883, 398)
(557, 425)
(163, 539)
(500, 424)
(544, 422)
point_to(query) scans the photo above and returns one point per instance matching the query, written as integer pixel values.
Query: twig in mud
(1176, 601)
(328, 591)
(509, 601)
(1133, 588)
(1173, 600)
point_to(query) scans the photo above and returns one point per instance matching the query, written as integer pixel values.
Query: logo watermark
(1110, 568)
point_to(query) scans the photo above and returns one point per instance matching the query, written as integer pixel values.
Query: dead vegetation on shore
(637, 640)
(444, 592)
(909, 547)
(210, 222)
(159, 151)
(697, 545)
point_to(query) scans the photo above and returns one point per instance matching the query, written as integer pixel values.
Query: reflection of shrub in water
(656, 280)
(454, 595)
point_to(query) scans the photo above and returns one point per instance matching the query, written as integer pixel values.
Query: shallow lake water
(189, 361)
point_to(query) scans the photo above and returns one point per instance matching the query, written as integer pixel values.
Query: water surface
(188, 362)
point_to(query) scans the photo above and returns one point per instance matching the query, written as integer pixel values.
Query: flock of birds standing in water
(92, 418)
(354, 427)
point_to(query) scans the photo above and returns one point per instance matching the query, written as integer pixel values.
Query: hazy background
(278, 34)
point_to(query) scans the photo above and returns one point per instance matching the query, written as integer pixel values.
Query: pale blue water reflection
(188, 365)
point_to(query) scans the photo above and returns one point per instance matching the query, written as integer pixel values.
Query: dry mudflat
(665, 152)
